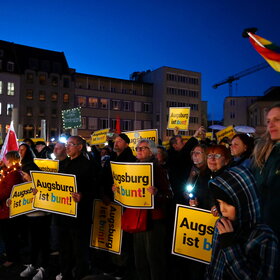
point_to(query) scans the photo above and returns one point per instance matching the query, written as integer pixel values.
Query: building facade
(174, 87)
(36, 85)
(236, 109)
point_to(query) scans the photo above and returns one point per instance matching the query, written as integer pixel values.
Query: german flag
(269, 51)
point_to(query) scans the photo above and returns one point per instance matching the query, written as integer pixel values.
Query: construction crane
(239, 75)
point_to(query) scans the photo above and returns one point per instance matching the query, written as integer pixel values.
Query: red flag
(118, 125)
(10, 143)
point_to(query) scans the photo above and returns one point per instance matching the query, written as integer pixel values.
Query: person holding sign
(243, 248)
(179, 162)
(10, 175)
(150, 245)
(74, 233)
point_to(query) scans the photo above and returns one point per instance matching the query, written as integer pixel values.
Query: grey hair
(152, 145)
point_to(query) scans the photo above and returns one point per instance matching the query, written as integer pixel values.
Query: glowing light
(62, 139)
(189, 188)
(52, 156)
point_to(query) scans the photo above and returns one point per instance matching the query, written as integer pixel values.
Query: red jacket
(8, 179)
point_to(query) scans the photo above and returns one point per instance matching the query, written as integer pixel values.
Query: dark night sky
(115, 38)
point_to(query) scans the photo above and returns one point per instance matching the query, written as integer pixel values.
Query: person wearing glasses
(218, 159)
(74, 233)
(150, 246)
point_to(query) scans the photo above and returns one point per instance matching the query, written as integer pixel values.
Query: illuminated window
(66, 98)
(29, 94)
(10, 88)
(104, 103)
(54, 96)
(81, 101)
(29, 111)
(116, 104)
(0, 108)
(9, 109)
(42, 95)
(93, 102)
(42, 79)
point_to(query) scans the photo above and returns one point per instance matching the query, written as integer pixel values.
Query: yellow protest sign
(47, 165)
(178, 117)
(193, 233)
(135, 136)
(106, 233)
(99, 136)
(21, 199)
(209, 135)
(228, 132)
(132, 181)
(54, 192)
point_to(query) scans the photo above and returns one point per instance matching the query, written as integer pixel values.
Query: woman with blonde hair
(266, 168)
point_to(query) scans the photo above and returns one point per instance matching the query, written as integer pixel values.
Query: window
(29, 111)
(29, 78)
(104, 103)
(113, 123)
(137, 125)
(147, 107)
(54, 96)
(0, 108)
(232, 102)
(81, 101)
(9, 109)
(66, 82)
(147, 124)
(11, 88)
(93, 102)
(127, 106)
(1, 87)
(29, 94)
(66, 98)
(126, 125)
(116, 104)
(137, 107)
(104, 123)
(54, 81)
(42, 112)
(92, 123)
(10, 66)
(54, 112)
(42, 79)
(42, 95)
(232, 115)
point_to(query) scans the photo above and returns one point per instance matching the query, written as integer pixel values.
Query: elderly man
(75, 233)
(61, 155)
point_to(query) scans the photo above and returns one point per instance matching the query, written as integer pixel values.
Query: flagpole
(251, 36)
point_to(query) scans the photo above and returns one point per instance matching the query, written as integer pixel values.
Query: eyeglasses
(214, 156)
(71, 145)
(142, 148)
(196, 153)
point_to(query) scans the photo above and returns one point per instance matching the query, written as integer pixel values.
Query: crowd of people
(238, 181)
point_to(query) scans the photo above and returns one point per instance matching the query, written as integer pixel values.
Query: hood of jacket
(239, 184)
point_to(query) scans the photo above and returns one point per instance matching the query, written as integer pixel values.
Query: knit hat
(220, 194)
(124, 137)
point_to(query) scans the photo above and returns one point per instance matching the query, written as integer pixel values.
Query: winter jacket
(268, 183)
(9, 178)
(250, 251)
